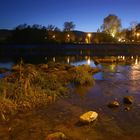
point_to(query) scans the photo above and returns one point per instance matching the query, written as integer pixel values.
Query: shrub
(81, 76)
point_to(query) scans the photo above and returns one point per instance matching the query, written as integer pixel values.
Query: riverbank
(62, 114)
(30, 86)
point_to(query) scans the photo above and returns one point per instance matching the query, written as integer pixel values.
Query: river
(114, 82)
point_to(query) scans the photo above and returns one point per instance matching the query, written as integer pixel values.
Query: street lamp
(53, 36)
(68, 37)
(89, 37)
(138, 34)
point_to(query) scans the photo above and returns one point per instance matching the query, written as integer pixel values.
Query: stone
(113, 104)
(127, 108)
(88, 117)
(128, 99)
(56, 136)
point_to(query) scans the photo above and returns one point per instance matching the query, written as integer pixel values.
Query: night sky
(88, 15)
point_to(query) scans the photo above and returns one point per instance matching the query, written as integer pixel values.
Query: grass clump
(31, 86)
(82, 75)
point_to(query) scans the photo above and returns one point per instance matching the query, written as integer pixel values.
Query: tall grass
(30, 86)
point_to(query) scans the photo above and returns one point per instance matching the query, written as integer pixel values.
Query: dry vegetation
(31, 86)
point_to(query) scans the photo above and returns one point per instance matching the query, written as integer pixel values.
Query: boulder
(127, 108)
(88, 117)
(56, 136)
(128, 99)
(113, 104)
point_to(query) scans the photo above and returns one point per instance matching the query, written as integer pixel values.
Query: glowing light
(89, 35)
(53, 36)
(54, 59)
(113, 35)
(68, 60)
(86, 57)
(119, 39)
(112, 67)
(138, 34)
(68, 35)
(136, 61)
(123, 57)
(88, 61)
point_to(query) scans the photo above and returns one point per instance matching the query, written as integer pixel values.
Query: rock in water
(114, 104)
(88, 117)
(56, 136)
(128, 99)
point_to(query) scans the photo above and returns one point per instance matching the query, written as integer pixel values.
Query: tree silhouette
(69, 26)
(50, 27)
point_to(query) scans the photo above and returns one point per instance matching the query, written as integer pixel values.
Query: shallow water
(114, 82)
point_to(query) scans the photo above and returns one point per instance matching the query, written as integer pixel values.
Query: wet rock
(56, 136)
(128, 99)
(88, 117)
(96, 62)
(127, 108)
(113, 104)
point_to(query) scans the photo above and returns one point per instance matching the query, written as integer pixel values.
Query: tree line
(110, 31)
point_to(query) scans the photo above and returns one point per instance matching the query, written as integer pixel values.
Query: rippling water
(115, 81)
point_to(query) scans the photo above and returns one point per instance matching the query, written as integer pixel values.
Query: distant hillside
(4, 34)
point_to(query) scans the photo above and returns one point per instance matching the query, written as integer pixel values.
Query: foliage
(69, 26)
(111, 25)
(82, 76)
(31, 86)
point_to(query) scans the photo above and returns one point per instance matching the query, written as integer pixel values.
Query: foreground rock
(128, 99)
(113, 104)
(56, 136)
(88, 117)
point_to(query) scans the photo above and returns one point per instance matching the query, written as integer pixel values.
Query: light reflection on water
(120, 77)
(128, 69)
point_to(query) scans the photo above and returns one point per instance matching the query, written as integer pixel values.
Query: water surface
(115, 81)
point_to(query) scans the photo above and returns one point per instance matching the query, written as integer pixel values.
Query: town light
(53, 36)
(138, 34)
(89, 37)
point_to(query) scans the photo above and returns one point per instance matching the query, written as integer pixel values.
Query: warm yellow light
(119, 39)
(89, 35)
(138, 34)
(68, 35)
(113, 35)
(136, 61)
(53, 36)
(54, 59)
(68, 60)
(88, 61)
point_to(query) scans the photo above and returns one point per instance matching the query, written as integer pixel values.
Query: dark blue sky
(88, 15)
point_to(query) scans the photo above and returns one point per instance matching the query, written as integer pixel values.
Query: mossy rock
(56, 136)
(113, 104)
(128, 99)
